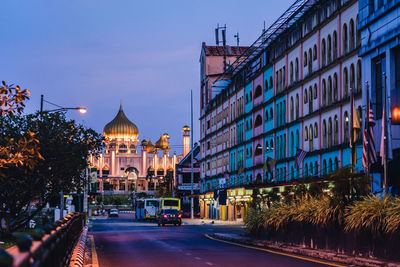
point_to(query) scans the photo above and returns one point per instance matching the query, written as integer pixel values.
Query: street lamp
(59, 108)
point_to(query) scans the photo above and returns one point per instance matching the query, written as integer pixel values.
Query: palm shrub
(393, 217)
(254, 220)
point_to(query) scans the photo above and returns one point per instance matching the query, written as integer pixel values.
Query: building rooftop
(212, 50)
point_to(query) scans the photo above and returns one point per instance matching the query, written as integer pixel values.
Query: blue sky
(96, 53)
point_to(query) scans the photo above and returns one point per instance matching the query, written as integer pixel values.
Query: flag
(356, 123)
(240, 170)
(270, 164)
(382, 153)
(369, 149)
(300, 155)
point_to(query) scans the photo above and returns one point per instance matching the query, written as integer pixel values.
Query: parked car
(113, 213)
(171, 216)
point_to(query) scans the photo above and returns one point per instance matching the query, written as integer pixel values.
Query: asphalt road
(125, 242)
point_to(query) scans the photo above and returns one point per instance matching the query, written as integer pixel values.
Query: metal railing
(55, 248)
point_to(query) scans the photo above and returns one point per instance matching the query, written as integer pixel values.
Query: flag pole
(351, 131)
(367, 133)
(385, 167)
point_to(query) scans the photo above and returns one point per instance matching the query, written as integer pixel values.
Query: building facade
(379, 24)
(122, 169)
(290, 90)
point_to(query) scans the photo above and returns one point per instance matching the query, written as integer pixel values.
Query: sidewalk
(197, 221)
(322, 256)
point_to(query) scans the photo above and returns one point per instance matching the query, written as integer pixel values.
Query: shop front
(238, 203)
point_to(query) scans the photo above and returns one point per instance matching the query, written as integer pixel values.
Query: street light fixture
(59, 108)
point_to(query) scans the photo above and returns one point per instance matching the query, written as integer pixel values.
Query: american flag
(369, 150)
(300, 155)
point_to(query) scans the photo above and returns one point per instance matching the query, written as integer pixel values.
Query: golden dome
(150, 147)
(186, 128)
(121, 127)
(162, 143)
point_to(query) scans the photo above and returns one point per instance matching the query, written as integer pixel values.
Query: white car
(113, 213)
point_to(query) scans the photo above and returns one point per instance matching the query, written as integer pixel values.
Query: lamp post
(64, 109)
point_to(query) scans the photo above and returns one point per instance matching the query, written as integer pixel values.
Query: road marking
(197, 258)
(209, 263)
(95, 260)
(277, 252)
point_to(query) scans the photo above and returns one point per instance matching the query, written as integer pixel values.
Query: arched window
(266, 115)
(344, 38)
(330, 137)
(296, 69)
(266, 146)
(271, 114)
(336, 164)
(280, 85)
(258, 92)
(345, 82)
(305, 170)
(258, 121)
(270, 82)
(359, 75)
(324, 134)
(330, 166)
(335, 87)
(160, 172)
(329, 90)
(291, 172)
(336, 131)
(122, 148)
(346, 127)
(309, 61)
(305, 96)
(311, 169)
(292, 150)
(316, 168)
(352, 76)
(305, 59)
(329, 49)
(297, 139)
(291, 109)
(310, 138)
(323, 92)
(271, 143)
(323, 52)
(334, 45)
(291, 72)
(306, 133)
(297, 106)
(266, 85)
(310, 100)
(352, 35)
(315, 52)
(315, 130)
(258, 150)
(324, 167)
(315, 91)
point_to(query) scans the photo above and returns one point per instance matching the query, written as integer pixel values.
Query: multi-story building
(379, 25)
(122, 169)
(291, 89)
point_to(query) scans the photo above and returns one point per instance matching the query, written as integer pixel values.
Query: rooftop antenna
(237, 44)
(223, 33)
(263, 32)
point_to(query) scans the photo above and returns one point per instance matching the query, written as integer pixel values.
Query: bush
(254, 220)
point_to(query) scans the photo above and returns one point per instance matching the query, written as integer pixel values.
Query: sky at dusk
(97, 53)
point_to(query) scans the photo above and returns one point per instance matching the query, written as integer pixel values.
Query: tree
(25, 150)
(64, 147)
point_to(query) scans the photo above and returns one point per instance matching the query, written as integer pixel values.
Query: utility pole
(85, 192)
(41, 103)
(191, 156)
(385, 166)
(237, 45)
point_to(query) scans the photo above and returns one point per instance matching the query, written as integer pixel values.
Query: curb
(318, 256)
(78, 254)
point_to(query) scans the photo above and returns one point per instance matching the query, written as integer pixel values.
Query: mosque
(122, 169)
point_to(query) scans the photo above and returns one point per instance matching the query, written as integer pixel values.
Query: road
(125, 242)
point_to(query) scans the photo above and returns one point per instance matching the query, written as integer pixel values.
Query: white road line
(95, 261)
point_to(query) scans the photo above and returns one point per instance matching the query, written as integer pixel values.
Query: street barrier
(53, 248)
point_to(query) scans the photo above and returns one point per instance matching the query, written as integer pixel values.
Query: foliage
(254, 220)
(116, 200)
(64, 146)
(25, 150)
(374, 215)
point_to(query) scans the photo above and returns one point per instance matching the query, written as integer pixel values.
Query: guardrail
(52, 249)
